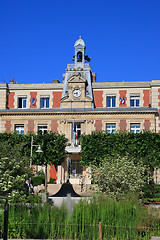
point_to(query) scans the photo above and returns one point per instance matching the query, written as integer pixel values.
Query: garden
(122, 166)
(125, 219)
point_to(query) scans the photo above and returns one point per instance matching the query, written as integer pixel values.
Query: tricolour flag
(75, 131)
(122, 100)
(33, 101)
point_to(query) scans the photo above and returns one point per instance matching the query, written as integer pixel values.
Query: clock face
(76, 92)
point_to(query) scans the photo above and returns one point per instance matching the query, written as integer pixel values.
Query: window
(42, 129)
(134, 101)
(22, 102)
(19, 129)
(110, 127)
(44, 102)
(76, 133)
(111, 101)
(135, 128)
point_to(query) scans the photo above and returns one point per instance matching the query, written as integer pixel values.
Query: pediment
(80, 46)
(76, 79)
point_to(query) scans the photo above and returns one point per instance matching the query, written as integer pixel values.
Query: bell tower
(77, 90)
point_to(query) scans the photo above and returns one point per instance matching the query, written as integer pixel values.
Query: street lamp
(39, 150)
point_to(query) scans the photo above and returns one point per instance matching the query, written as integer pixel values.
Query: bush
(40, 173)
(52, 181)
(116, 176)
(38, 180)
(151, 190)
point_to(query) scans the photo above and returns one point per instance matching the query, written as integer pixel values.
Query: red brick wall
(53, 172)
(8, 126)
(122, 125)
(54, 126)
(98, 125)
(98, 99)
(33, 95)
(11, 99)
(147, 125)
(146, 98)
(123, 93)
(56, 99)
(30, 125)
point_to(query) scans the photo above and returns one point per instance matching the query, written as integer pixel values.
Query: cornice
(43, 86)
(117, 111)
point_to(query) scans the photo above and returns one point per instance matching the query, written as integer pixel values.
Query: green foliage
(52, 181)
(13, 171)
(117, 176)
(40, 173)
(16, 149)
(145, 200)
(151, 190)
(144, 145)
(38, 180)
(52, 144)
(53, 147)
(121, 220)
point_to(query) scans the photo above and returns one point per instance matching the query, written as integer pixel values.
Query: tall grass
(125, 219)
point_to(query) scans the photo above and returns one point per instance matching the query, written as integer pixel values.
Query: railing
(78, 65)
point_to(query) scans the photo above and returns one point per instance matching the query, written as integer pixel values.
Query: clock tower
(77, 90)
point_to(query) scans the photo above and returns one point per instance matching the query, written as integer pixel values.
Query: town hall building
(78, 105)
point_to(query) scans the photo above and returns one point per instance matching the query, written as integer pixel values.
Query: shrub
(38, 180)
(52, 181)
(117, 176)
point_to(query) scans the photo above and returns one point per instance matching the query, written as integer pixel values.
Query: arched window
(79, 56)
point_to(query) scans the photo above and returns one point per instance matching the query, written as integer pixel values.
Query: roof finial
(80, 37)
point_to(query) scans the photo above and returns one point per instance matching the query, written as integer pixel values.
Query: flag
(122, 100)
(33, 101)
(75, 131)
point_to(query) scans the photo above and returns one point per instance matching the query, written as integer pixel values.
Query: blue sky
(37, 38)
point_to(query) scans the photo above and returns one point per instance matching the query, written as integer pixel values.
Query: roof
(79, 41)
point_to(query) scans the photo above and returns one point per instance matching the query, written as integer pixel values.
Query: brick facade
(123, 125)
(98, 99)
(54, 126)
(98, 125)
(146, 98)
(123, 93)
(30, 125)
(8, 126)
(11, 100)
(56, 99)
(147, 125)
(33, 95)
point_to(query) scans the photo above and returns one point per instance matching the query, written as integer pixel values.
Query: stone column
(60, 175)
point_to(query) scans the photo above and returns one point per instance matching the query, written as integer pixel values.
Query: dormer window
(22, 102)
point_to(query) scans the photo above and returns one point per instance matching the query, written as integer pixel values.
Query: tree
(118, 176)
(52, 144)
(13, 171)
(53, 147)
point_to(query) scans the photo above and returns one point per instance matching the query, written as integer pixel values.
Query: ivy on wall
(145, 146)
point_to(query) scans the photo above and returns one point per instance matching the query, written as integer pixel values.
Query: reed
(125, 219)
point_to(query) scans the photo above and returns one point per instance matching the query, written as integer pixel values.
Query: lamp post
(38, 150)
